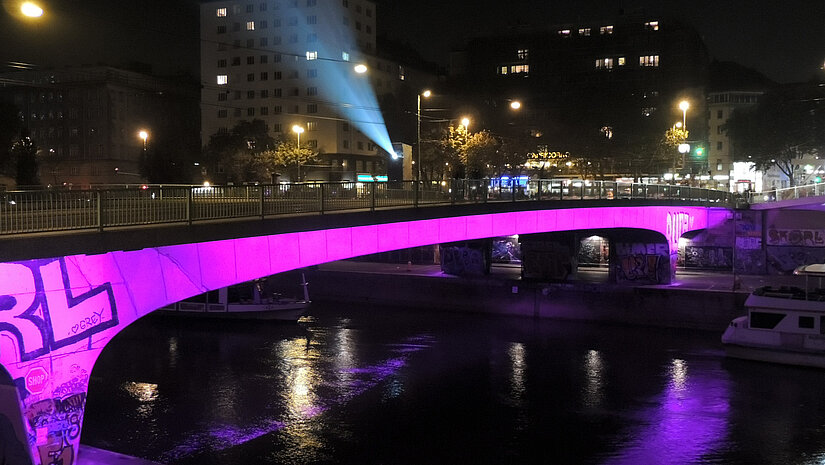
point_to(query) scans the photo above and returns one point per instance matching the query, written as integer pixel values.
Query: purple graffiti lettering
(34, 316)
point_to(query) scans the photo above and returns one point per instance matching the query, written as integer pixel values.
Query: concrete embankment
(505, 294)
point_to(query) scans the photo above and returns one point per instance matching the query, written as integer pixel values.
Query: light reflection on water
(370, 389)
(686, 422)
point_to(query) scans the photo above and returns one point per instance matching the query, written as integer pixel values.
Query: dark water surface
(377, 385)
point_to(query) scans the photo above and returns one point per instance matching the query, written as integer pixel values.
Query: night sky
(783, 40)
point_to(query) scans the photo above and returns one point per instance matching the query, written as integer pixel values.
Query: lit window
(312, 125)
(345, 56)
(604, 63)
(223, 79)
(649, 61)
(652, 25)
(517, 69)
(220, 12)
(584, 31)
(312, 55)
(402, 74)
(502, 70)
(523, 53)
(622, 61)
(564, 32)
(606, 30)
(250, 25)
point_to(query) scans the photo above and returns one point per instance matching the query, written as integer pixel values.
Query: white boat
(252, 300)
(783, 325)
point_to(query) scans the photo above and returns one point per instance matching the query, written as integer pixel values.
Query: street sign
(36, 380)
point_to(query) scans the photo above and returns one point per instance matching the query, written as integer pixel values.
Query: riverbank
(697, 300)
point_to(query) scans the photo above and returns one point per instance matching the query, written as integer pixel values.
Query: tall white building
(724, 173)
(290, 62)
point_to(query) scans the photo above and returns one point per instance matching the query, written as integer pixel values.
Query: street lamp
(425, 94)
(466, 123)
(515, 105)
(31, 10)
(298, 130)
(684, 105)
(360, 68)
(144, 136)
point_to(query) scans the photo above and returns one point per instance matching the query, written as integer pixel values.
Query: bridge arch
(59, 313)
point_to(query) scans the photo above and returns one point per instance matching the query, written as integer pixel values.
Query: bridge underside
(59, 313)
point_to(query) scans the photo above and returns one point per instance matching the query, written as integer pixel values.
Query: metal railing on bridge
(790, 193)
(24, 212)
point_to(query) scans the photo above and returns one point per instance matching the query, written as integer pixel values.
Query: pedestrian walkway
(89, 455)
(686, 279)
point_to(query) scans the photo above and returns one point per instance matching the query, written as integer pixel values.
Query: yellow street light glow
(515, 104)
(297, 129)
(465, 122)
(143, 135)
(360, 68)
(31, 10)
(684, 105)
(426, 93)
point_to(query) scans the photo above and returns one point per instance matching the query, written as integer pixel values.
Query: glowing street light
(298, 130)
(360, 68)
(465, 122)
(684, 105)
(425, 94)
(515, 105)
(144, 136)
(31, 10)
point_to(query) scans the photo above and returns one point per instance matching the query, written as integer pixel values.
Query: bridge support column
(467, 258)
(549, 257)
(641, 257)
(52, 397)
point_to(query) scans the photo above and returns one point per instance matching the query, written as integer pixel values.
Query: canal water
(379, 385)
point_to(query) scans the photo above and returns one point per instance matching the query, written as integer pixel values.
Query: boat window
(213, 297)
(765, 320)
(806, 322)
(240, 293)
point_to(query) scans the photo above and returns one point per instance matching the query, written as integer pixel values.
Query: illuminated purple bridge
(57, 314)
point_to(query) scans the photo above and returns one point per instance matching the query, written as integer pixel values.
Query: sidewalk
(686, 279)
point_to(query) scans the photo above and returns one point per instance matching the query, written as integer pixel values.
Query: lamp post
(425, 94)
(144, 136)
(465, 121)
(298, 130)
(684, 105)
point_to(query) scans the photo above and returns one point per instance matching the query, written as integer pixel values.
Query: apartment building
(291, 63)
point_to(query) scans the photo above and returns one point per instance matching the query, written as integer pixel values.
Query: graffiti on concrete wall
(41, 313)
(783, 260)
(462, 260)
(796, 237)
(55, 418)
(642, 262)
(708, 257)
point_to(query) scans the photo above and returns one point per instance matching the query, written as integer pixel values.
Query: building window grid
(220, 12)
(606, 30)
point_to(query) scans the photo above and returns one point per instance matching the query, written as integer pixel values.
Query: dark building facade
(86, 121)
(616, 79)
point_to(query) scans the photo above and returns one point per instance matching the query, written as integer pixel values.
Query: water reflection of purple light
(226, 436)
(689, 420)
